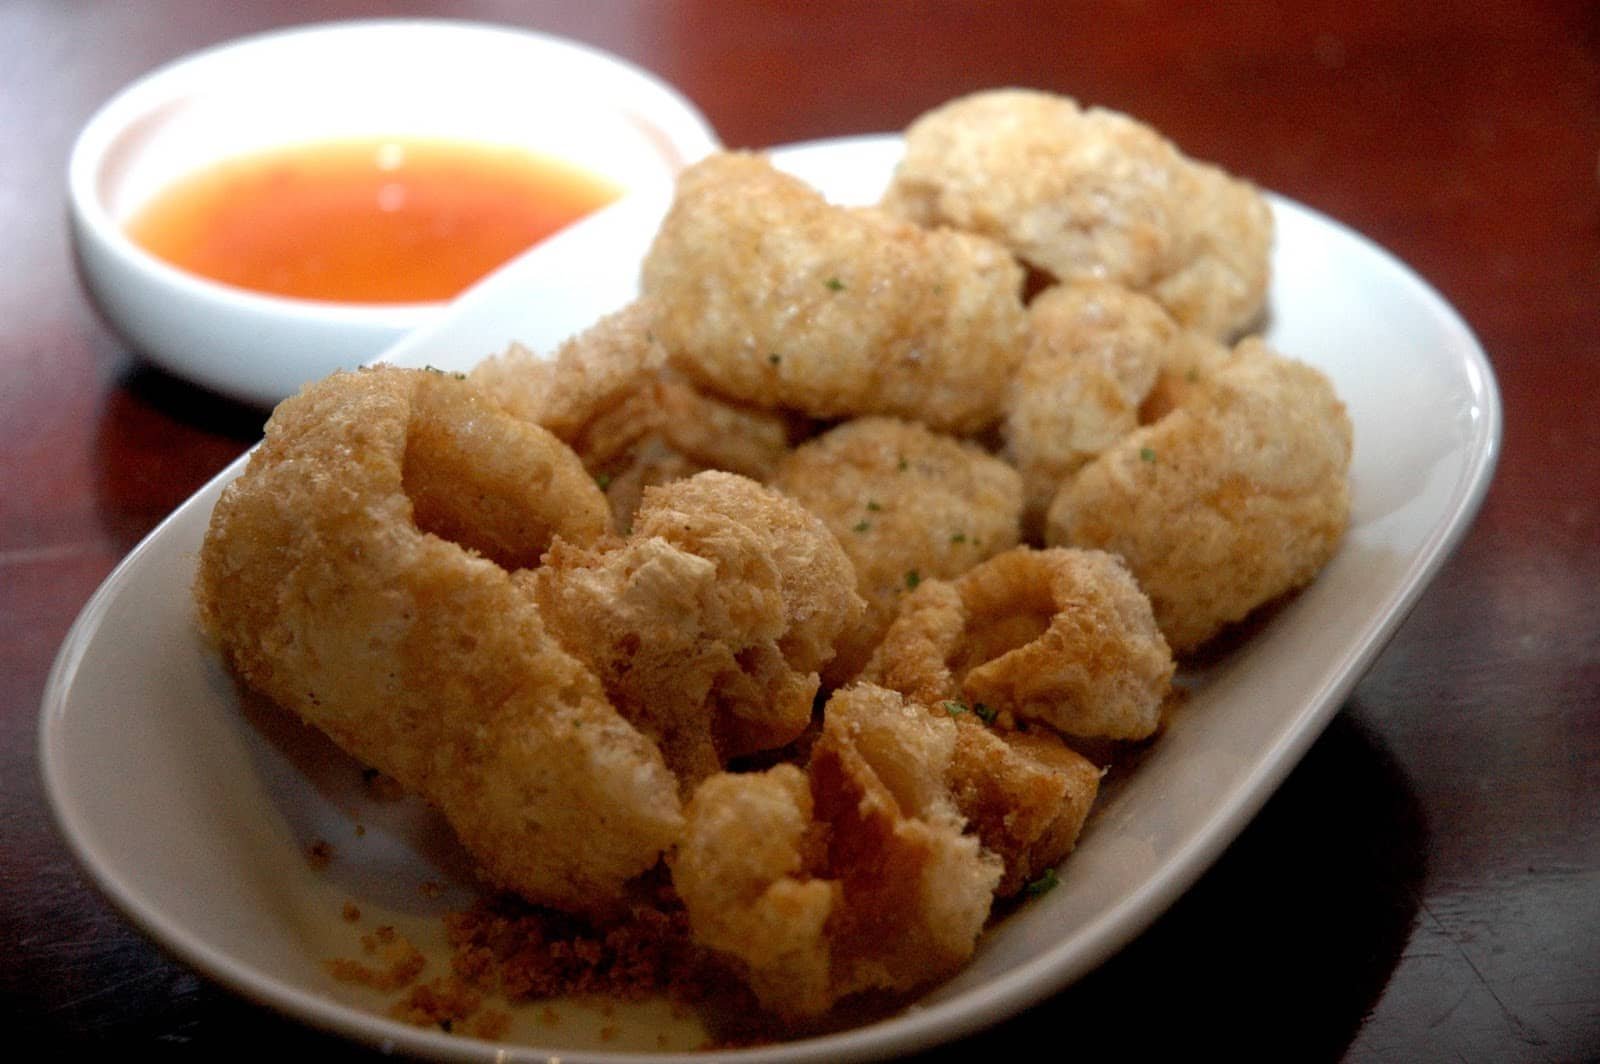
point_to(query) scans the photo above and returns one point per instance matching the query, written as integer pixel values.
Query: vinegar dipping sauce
(380, 220)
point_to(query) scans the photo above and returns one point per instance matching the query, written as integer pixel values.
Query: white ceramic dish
(429, 79)
(193, 810)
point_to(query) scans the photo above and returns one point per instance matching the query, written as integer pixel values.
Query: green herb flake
(834, 284)
(1043, 885)
(603, 480)
(873, 505)
(1146, 455)
(959, 537)
(913, 578)
(902, 466)
(984, 713)
(774, 358)
(861, 526)
(955, 709)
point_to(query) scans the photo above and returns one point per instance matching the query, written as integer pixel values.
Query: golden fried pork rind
(708, 624)
(1101, 358)
(1025, 794)
(1090, 195)
(609, 394)
(1236, 497)
(418, 656)
(771, 296)
(906, 504)
(1060, 637)
(855, 876)
(492, 483)
(1093, 355)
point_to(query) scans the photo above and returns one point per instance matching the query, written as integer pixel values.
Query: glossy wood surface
(1425, 886)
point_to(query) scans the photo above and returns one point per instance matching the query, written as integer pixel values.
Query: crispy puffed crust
(588, 375)
(707, 625)
(854, 876)
(906, 504)
(771, 296)
(1059, 637)
(419, 656)
(1239, 495)
(491, 483)
(1026, 794)
(609, 395)
(1094, 353)
(1090, 195)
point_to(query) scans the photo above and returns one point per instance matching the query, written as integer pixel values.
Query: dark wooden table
(1426, 885)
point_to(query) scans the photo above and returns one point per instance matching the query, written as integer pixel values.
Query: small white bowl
(412, 78)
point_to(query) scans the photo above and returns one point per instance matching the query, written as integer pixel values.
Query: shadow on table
(158, 440)
(1282, 949)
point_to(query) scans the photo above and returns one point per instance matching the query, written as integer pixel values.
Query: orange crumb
(319, 853)
(398, 962)
(443, 1003)
(491, 1025)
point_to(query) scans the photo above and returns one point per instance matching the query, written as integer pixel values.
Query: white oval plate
(193, 809)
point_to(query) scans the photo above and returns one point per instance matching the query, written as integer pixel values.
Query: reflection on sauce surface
(365, 221)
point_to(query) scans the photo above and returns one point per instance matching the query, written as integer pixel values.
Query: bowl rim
(678, 123)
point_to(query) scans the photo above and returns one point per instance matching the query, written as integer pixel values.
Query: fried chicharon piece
(1101, 360)
(419, 656)
(1060, 637)
(1233, 499)
(1091, 195)
(1026, 794)
(491, 483)
(854, 875)
(708, 624)
(635, 422)
(906, 504)
(773, 297)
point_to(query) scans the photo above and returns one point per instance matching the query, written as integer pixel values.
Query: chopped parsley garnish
(1043, 885)
(774, 358)
(902, 466)
(1146, 454)
(913, 578)
(955, 709)
(873, 506)
(861, 526)
(959, 537)
(984, 713)
(603, 480)
(834, 284)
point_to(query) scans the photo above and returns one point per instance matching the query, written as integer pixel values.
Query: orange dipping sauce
(385, 220)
